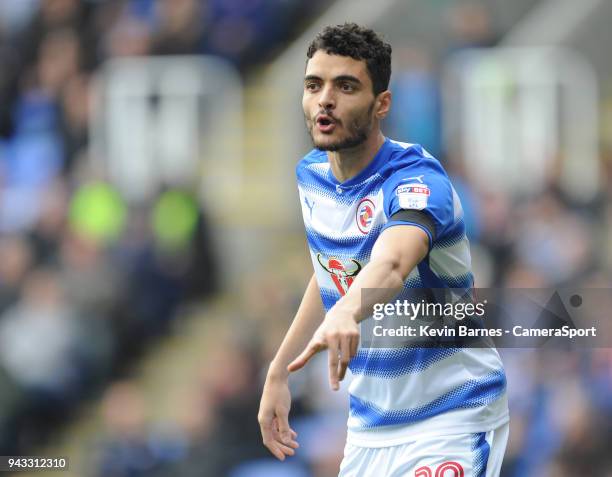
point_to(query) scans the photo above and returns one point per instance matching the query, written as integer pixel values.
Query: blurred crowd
(88, 281)
(212, 430)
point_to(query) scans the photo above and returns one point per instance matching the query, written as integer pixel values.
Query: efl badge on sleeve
(413, 196)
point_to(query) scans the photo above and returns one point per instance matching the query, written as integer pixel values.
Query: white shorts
(458, 455)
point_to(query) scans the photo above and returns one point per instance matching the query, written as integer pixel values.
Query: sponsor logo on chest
(341, 275)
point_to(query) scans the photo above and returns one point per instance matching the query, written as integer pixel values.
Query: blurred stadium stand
(151, 246)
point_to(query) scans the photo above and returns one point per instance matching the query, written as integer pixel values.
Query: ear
(383, 104)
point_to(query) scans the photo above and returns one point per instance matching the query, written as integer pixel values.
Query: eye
(311, 86)
(347, 87)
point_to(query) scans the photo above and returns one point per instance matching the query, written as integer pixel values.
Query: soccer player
(381, 215)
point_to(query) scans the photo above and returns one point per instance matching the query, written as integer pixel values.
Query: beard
(358, 129)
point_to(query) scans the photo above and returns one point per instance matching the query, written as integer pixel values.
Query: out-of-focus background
(151, 245)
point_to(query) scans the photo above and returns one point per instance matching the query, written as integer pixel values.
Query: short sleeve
(420, 194)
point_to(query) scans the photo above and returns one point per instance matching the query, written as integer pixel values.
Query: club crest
(364, 216)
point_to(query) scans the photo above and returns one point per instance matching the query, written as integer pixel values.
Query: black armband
(417, 217)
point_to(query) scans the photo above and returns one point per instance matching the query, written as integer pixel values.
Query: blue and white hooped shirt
(399, 394)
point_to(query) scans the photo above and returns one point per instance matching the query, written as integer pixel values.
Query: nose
(327, 99)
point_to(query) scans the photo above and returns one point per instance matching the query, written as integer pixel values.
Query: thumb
(303, 358)
(283, 425)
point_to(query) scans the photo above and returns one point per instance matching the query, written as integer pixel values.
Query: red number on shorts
(423, 472)
(454, 466)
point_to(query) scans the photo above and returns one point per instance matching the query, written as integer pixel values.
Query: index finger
(333, 363)
(345, 356)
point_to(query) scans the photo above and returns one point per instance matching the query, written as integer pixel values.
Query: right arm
(273, 416)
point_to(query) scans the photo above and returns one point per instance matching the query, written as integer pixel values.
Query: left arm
(396, 252)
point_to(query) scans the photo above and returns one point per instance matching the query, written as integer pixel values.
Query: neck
(347, 163)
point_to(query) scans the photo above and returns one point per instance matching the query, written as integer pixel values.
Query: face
(339, 105)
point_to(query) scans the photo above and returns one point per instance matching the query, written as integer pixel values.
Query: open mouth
(325, 123)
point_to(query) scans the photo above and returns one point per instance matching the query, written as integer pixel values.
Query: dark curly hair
(359, 43)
